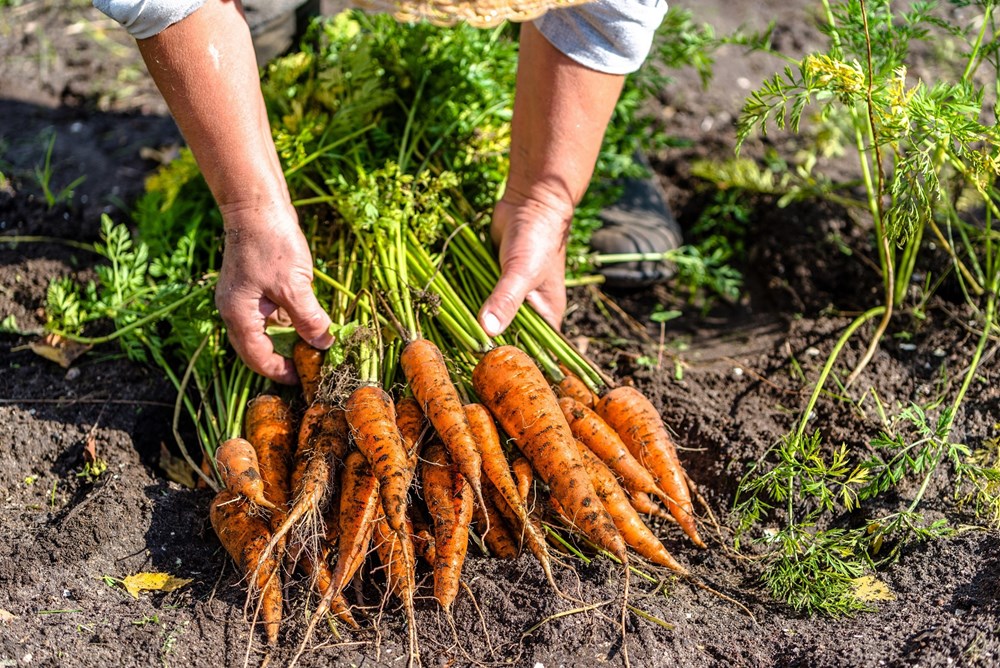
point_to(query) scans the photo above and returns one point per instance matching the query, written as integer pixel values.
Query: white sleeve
(611, 36)
(145, 18)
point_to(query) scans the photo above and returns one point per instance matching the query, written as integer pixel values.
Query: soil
(727, 385)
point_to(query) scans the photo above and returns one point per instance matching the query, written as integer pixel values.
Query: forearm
(561, 111)
(205, 69)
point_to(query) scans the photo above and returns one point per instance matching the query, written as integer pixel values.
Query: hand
(266, 267)
(531, 235)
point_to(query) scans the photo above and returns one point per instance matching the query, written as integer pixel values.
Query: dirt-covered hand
(531, 237)
(267, 266)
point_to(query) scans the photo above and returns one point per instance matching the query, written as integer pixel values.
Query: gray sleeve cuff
(606, 35)
(145, 18)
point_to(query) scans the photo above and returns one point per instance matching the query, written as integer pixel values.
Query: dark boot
(277, 27)
(639, 222)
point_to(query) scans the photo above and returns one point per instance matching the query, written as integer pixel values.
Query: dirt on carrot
(450, 500)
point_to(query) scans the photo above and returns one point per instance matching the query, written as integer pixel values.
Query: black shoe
(277, 27)
(639, 222)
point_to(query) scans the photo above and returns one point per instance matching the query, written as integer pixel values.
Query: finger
(309, 319)
(501, 306)
(245, 327)
(550, 304)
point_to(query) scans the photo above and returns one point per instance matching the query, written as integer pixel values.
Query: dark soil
(726, 385)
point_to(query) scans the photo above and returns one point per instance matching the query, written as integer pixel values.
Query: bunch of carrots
(411, 478)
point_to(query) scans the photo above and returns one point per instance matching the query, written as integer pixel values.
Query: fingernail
(491, 324)
(322, 342)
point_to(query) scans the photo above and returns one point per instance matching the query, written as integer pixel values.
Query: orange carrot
(641, 429)
(571, 386)
(449, 500)
(309, 366)
(395, 552)
(515, 391)
(245, 536)
(633, 530)
(423, 537)
(644, 505)
(358, 512)
(322, 437)
(499, 538)
(590, 429)
(498, 473)
(524, 476)
(270, 428)
(412, 427)
(372, 418)
(426, 371)
(237, 462)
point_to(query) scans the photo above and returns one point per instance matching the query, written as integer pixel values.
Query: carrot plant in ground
(928, 166)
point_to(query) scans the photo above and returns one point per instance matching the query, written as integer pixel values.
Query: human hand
(266, 275)
(531, 237)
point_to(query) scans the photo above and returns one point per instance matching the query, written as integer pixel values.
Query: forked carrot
(508, 382)
(590, 429)
(237, 463)
(427, 373)
(372, 419)
(245, 535)
(633, 530)
(641, 428)
(309, 366)
(449, 499)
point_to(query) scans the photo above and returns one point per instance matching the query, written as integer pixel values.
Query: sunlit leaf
(139, 582)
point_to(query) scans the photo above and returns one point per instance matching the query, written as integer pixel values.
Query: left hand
(531, 236)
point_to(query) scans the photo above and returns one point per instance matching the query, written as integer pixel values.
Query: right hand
(267, 274)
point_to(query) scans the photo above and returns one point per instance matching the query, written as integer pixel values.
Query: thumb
(501, 306)
(310, 320)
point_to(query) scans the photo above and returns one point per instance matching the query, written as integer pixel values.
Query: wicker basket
(477, 13)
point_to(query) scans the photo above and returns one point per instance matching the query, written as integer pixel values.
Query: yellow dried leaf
(152, 582)
(868, 588)
(57, 349)
(176, 468)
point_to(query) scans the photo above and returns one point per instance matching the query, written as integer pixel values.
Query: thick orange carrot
(412, 427)
(571, 386)
(644, 505)
(309, 366)
(237, 462)
(499, 538)
(514, 390)
(641, 428)
(524, 476)
(590, 429)
(498, 473)
(245, 536)
(372, 419)
(269, 426)
(449, 499)
(633, 530)
(426, 371)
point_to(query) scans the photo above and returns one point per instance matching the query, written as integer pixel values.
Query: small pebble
(812, 351)
(939, 352)
(908, 347)
(743, 83)
(72, 374)
(738, 372)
